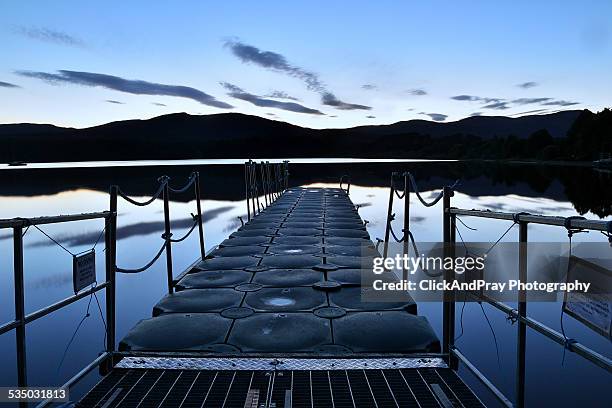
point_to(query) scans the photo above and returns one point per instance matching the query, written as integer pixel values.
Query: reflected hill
(585, 188)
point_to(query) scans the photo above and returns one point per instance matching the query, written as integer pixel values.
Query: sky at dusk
(318, 64)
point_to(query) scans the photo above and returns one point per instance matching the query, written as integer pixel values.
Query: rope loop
(162, 180)
(415, 188)
(184, 237)
(190, 181)
(147, 266)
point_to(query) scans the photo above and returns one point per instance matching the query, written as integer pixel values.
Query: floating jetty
(274, 317)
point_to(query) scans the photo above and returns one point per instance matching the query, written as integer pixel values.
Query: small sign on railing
(83, 270)
(593, 309)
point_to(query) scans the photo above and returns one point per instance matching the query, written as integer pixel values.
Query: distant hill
(234, 135)
(30, 129)
(557, 124)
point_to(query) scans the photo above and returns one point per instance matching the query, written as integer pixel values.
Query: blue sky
(312, 63)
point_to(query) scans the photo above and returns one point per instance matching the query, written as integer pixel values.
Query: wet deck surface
(289, 281)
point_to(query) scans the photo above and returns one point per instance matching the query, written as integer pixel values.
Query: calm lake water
(64, 189)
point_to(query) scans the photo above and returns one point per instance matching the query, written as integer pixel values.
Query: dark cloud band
(499, 103)
(272, 60)
(8, 85)
(437, 117)
(239, 93)
(417, 92)
(131, 86)
(51, 36)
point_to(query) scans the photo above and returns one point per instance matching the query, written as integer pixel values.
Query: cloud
(437, 117)
(497, 105)
(560, 103)
(476, 114)
(530, 112)
(51, 36)
(131, 86)
(473, 98)
(526, 101)
(277, 62)
(158, 104)
(8, 85)
(369, 87)
(281, 95)
(417, 92)
(239, 93)
(114, 101)
(527, 85)
(371, 117)
(330, 99)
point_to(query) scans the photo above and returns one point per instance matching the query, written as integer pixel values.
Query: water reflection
(552, 190)
(132, 230)
(586, 189)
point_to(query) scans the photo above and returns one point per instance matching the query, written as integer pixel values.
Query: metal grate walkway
(409, 387)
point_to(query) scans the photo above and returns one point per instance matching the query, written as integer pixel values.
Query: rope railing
(184, 237)
(147, 266)
(403, 193)
(154, 197)
(164, 189)
(192, 179)
(264, 182)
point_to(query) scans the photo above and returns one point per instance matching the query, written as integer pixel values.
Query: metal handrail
(22, 319)
(520, 314)
(594, 225)
(24, 222)
(523, 220)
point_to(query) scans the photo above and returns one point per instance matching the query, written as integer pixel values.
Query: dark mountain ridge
(235, 135)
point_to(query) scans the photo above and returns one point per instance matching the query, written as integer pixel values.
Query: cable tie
(515, 216)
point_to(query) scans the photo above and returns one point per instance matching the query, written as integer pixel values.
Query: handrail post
(246, 189)
(252, 185)
(256, 189)
(286, 173)
(20, 331)
(110, 241)
(448, 315)
(200, 221)
(521, 346)
(453, 360)
(264, 184)
(389, 212)
(275, 169)
(406, 230)
(167, 235)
